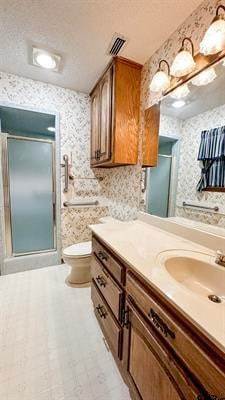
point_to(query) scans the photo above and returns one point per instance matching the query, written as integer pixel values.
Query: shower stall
(30, 189)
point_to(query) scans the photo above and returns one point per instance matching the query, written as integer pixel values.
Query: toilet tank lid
(104, 220)
(78, 249)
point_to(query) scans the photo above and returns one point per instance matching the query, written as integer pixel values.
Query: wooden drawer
(111, 329)
(114, 267)
(174, 334)
(107, 286)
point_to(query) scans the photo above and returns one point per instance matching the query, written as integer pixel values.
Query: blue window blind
(212, 156)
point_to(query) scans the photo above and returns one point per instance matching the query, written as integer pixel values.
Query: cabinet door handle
(101, 311)
(125, 317)
(160, 324)
(101, 281)
(97, 154)
(102, 256)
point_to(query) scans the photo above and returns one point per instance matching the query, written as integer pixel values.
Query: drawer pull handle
(101, 281)
(101, 311)
(160, 324)
(105, 272)
(125, 317)
(102, 256)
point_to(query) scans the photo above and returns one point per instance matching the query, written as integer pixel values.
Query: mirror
(188, 184)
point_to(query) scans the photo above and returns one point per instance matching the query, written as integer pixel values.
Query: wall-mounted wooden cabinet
(151, 136)
(115, 107)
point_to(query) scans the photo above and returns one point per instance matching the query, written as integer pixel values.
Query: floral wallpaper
(169, 126)
(122, 189)
(75, 221)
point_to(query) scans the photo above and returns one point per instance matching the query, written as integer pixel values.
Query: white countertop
(138, 244)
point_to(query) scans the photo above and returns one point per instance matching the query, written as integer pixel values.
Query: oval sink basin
(195, 271)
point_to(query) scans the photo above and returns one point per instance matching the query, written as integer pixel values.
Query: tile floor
(51, 347)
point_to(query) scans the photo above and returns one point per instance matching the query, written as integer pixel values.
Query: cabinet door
(105, 116)
(151, 372)
(95, 125)
(151, 136)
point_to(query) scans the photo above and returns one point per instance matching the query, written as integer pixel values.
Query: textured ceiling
(81, 30)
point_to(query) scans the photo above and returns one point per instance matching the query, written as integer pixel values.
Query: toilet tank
(104, 220)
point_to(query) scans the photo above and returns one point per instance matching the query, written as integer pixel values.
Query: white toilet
(78, 256)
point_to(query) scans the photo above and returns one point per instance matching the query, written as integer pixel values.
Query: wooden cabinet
(151, 371)
(176, 337)
(150, 142)
(115, 106)
(160, 353)
(108, 295)
(110, 327)
(107, 286)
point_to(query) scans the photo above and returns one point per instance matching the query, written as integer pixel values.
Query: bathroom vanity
(168, 342)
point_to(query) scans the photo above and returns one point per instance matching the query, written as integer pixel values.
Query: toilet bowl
(78, 257)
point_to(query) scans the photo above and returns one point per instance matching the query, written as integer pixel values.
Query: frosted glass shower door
(159, 188)
(30, 170)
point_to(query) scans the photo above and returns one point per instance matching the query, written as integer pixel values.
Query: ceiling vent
(117, 44)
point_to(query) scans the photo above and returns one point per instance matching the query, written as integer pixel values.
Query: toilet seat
(78, 250)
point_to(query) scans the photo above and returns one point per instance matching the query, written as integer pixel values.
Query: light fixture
(45, 59)
(184, 62)
(161, 80)
(205, 77)
(51, 129)
(214, 38)
(180, 92)
(178, 103)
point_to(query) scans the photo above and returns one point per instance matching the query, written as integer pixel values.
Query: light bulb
(45, 60)
(51, 129)
(178, 103)
(160, 82)
(183, 64)
(180, 92)
(214, 38)
(204, 78)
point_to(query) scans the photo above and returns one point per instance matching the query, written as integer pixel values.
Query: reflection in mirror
(188, 184)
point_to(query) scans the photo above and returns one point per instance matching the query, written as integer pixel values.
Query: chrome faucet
(220, 258)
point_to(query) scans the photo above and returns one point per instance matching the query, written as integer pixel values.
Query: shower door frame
(56, 253)
(173, 176)
(7, 198)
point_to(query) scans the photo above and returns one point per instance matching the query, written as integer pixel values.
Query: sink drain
(214, 298)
